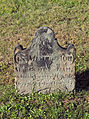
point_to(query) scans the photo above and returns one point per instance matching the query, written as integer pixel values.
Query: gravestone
(44, 66)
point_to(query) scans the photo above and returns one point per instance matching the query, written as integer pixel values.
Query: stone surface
(44, 66)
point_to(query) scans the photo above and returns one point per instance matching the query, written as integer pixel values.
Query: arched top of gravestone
(43, 40)
(45, 31)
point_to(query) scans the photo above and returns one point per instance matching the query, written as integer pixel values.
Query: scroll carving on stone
(44, 66)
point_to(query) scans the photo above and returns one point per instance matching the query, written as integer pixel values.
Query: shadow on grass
(82, 80)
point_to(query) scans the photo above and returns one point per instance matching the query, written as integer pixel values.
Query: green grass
(72, 105)
(19, 19)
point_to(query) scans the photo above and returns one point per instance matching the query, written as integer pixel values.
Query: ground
(19, 19)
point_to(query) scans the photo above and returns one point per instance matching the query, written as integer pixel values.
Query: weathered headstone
(44, 66)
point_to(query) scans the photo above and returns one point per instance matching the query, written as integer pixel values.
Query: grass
(41, 106)
(19, 19)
